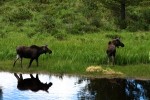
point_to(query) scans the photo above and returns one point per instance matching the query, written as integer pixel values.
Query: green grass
(88, 48)
(73, 68)
(76, 52)
(135, 71)
(77, 31)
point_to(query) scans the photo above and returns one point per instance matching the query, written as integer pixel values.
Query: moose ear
(37, 77)
(118, 38)
(109, 42)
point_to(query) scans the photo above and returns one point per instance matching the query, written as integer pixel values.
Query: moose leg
(31, 60)
(37, 77)
(21, 62)
(31, 76)
(21, 76)
(108, 61)
(17, 57)
(113, 60)
(37, 62)
(16, 76)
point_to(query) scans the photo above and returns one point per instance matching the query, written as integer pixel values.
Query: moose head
(117, 42)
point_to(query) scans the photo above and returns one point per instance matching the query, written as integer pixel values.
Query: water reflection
(32, 83)
(1, 94)
(116, 89)
(135, 90)
(71, 88)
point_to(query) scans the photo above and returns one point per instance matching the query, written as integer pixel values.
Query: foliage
(19, 14)
(64, 24)
(73, 16)
(75, 53)
(88, 48)
(30, 22)
(138, 19)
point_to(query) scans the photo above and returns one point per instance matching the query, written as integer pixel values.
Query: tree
(123, 14)
(118, 8)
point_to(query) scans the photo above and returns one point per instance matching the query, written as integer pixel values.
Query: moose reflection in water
(33, 83)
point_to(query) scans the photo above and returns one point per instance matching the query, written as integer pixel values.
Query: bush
(18, 14)
(138, 19)
(60, 36)
(41, 1)
(47, 24)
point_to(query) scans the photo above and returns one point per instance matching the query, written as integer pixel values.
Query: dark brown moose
(111, 50)
(33, 83)
(32, 52)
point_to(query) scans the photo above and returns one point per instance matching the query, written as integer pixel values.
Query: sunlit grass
(86, 48)
(135, 71)
(75, 68)
(74, 54)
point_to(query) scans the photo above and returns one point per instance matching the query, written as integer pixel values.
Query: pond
(62, 87)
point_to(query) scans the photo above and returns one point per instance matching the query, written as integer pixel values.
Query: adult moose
(111, 50)
(33, 52)
(33, 83)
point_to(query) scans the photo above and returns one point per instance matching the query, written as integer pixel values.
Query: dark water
(70, 88)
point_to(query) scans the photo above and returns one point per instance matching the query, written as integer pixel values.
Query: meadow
(77, 31)
(72, 54)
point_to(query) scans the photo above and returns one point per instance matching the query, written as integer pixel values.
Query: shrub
(41, 1)
(138, 19)
(60, 36)
(47, 23)
(18, 14)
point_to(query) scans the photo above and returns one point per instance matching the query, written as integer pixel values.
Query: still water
(52, 87)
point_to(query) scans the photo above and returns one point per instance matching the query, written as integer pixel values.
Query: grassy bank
(72, 54)
(128, 71)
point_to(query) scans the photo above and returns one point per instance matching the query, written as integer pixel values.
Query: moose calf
(33, 83)
(111, 50)
(32, 52)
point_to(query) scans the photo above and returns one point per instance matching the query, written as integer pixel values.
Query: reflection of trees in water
(135, 90)
(138, 89)
(1, 94)
(146, 86)
(85, 93)
(114, 89)
(104, 89)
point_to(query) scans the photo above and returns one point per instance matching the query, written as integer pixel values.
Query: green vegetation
(75, 53)
(77, 31)
(71, 16)
(88, 48)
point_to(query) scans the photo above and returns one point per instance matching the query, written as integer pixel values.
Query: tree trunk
(123, 15)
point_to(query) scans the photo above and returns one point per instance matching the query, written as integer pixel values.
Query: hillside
(71, 16)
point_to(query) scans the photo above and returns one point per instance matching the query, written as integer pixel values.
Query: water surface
(73, 88)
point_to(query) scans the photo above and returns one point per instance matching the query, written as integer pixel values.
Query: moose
(111, 50)
(33, 52)
(33, 83)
